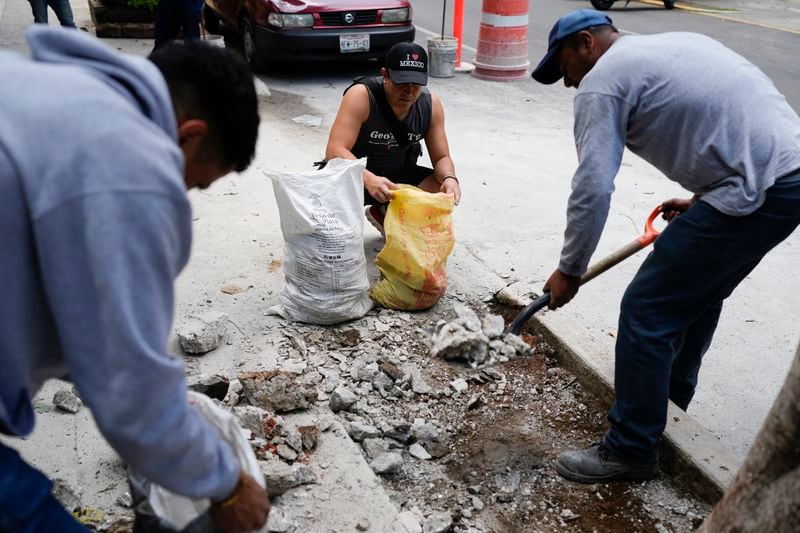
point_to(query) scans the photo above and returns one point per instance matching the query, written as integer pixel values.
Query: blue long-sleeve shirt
(95, 225)
(703, 115)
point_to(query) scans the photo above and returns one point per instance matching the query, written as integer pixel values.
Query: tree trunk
(765, 495)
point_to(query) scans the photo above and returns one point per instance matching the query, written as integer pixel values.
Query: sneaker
(375, 214)
(598, 465)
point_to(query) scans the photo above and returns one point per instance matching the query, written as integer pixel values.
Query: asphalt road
(769, 49)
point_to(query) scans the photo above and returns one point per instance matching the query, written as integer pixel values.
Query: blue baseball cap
(549, 71)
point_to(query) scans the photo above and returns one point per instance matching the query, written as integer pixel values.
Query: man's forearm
(340, 152)
(444, 168)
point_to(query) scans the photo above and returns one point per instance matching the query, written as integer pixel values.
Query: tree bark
(765, 494)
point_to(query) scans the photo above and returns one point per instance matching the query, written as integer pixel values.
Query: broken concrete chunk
(278, 522)
(418, 383)
(410, 522)
(387, 463)
(294, 439)
(363, 524)
(309, 435)
(493, 326)
(440, 522)
(294, 366)
(251, 418)
(425, 431)
(459, 385)
(286, 452)
(234, 393)
(438, 449)
(382, 382)
(365, 372)
(342, 399)
(374, 447)
(469, 318)
(451, 340)
(416, 450)
(520, 346)
(215, 386)
(477, 504)
(298, 344)
(281, 477)
(277, 391)
(202, 333)
(391, 369)
(359, 431)
(66, 401)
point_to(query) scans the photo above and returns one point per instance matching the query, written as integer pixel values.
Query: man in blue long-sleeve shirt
(712, 122)
(95, 226)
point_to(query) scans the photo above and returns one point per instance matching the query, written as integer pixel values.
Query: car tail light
(396, 15)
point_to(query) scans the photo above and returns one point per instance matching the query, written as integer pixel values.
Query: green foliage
(144, 4)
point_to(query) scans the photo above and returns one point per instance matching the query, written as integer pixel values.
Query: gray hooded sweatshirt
(95, 225)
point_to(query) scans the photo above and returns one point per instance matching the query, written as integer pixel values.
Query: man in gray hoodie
(95, 226)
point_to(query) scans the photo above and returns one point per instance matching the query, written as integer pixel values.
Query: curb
(691, 454)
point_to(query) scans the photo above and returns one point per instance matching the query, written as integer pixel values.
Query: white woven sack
(324, 264)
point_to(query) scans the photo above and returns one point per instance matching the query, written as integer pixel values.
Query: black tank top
(376, 142)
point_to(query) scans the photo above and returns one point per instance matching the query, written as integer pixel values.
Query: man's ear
(192, 131)
(586, 39)
(384, 73)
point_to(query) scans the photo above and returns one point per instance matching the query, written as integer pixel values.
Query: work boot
(599, 465)
(376, 214)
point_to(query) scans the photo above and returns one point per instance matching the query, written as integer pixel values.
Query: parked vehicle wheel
(211, 21)
(252, 54)
(602, 5)
(669, 4)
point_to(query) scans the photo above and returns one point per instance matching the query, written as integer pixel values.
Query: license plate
(354, 42)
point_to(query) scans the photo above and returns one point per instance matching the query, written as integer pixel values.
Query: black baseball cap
(407, 63)
(548, 70)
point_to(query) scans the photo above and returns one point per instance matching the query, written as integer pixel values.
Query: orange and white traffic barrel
(503, 41)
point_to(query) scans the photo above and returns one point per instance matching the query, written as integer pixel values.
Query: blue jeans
(61, 8)
(174, 17)
(26, 502)
(670, 310)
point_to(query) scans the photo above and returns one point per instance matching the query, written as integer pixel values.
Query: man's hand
(379, 187)
(675, 206)
(246, 509)
(451, 186)
(562, 288)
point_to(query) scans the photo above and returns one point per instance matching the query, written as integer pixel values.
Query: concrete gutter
(691, 454)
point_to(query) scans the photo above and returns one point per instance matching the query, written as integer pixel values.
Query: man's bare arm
(444, 171)
(353, 112)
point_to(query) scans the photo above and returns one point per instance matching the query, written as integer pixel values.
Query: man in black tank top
(384, 119)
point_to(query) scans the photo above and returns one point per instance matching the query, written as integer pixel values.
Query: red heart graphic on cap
(415, 56)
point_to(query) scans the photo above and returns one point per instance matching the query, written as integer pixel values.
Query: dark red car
(290, 30)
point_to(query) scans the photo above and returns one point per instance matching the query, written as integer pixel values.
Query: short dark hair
(572, 41)
(213, 84)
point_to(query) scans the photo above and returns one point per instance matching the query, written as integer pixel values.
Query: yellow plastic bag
(419, 237)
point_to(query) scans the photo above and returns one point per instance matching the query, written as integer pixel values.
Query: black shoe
(598, 465)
